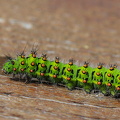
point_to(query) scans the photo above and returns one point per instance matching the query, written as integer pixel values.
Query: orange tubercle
(84, 72)
(22, 63)
(84, 81)
(69, 69)
(55, 67)
(42, 74)
(33, 55)
(42, 65)
(54, 76)
(22, 69)
(22, 56)
(68, 78)
(109, 75)
(98, 74)
(109, 84)
(31, 71)
(99, 83)
(14, 69)
(117, 88)
(32, 63)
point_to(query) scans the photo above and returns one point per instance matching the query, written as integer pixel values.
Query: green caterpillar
(100, 78)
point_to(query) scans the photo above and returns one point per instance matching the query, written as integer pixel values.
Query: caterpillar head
(8, 66)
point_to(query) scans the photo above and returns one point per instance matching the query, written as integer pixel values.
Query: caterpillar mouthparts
(106, 80)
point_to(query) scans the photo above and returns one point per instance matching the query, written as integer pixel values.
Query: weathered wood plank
(41, 101)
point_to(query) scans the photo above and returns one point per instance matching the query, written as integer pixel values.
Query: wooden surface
(40, 101)
(79, 29)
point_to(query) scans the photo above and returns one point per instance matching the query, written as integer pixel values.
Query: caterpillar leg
(86, 85)
(79, 84)
(104, 90)
(117, 95)
(88, 88)
(70, 86)
(96, 88)
(13, 77)
(28, 79)
(114, 92)
(53, 81)
(40, 79)
(21, 76)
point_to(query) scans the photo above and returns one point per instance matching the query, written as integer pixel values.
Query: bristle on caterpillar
(105, 80)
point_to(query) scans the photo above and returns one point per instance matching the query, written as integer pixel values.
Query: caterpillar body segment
(115, 90)
(84, 77)
(20, 64)
(56, 71)
(112, 78)
(69, 75)
(43, 68)
(100, 78)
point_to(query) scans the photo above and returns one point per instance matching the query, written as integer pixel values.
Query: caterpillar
(105, 80)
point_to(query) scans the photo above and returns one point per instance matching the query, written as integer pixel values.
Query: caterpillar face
(106, 80)
(8, 67)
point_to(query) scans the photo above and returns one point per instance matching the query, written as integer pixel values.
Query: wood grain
(81, 29)
(41, 101)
